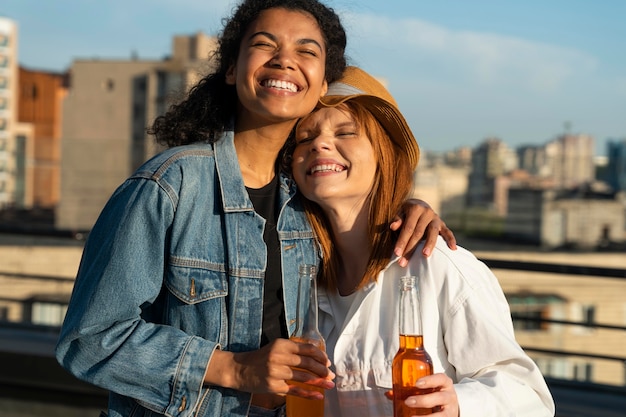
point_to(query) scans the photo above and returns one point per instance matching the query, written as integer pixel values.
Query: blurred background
(519, 110)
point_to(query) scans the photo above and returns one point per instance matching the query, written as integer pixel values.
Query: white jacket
(467, 331)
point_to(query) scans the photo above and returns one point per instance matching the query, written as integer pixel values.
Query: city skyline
(461, 72)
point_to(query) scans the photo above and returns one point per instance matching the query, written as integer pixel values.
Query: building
(581, 218)
(616, 167)
(16, 140)
(533, 159)
(40, 101)
(106, 112)
(570, 160)
(490, 160)
(443, 186)
(586, 298)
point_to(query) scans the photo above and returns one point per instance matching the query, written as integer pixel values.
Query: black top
(274, 326)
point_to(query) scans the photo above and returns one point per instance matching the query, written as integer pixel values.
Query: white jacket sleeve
(493, 375)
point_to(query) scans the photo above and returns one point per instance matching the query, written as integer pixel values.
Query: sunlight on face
(334, 162)
(280, 70)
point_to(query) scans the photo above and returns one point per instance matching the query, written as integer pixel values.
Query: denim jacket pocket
(193, 285)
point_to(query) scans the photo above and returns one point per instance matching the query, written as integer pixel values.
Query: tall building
(616, 168)
(570, 160)
(533, 159)
(15, 138)
(108, 107)
(490, 160)
(41, 95)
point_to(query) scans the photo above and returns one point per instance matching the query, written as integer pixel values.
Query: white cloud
(457, 87)
(488, 59)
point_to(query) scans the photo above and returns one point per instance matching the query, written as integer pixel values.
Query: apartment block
(109, 105)
(40, 101)
(616, 167)
(490, 160)
(15, 140)
(579, 219)
(569, 158)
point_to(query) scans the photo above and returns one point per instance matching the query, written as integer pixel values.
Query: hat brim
(388, 116)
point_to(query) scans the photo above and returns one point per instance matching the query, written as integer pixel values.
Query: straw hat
(356, 84)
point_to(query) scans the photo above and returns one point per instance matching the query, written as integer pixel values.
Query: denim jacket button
(183, 404)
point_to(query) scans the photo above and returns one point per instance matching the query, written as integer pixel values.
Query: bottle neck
(410, 315)
(306, 314)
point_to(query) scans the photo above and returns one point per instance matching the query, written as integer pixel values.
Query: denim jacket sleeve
(105, 339)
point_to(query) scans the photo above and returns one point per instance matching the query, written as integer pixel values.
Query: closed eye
(309, 52)
(303, 140)
(262, 45)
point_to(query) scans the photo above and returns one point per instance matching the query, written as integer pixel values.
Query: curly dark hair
(206, 111)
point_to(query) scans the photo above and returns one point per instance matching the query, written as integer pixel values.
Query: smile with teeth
(283, 85)
(326, 168)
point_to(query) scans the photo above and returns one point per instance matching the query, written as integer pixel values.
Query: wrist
(221, 370)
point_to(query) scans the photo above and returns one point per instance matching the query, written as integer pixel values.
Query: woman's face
(334, 163)
(280, 70)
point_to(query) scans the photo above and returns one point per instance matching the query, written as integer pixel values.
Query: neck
(351, 239)
(257, 151)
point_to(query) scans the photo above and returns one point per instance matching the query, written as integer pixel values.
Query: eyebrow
(303, 41)
(348, 124)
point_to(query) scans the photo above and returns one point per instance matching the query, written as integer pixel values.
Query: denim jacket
(172, 270)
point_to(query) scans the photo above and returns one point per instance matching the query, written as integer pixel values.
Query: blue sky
(461, 70)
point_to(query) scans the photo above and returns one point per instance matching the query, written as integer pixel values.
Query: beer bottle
(412, 361)
(306, 332)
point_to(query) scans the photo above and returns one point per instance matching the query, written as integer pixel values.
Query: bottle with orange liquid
(306, 332)
(412, 361)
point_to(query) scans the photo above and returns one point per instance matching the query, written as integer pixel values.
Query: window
(528, 309)
(4, 82)
(565, 368)
(49, 314)
(584, 314)
(4, 40)
(582, 371)
(589, 314)
(4, 61)
(3, 103)
(108, 84)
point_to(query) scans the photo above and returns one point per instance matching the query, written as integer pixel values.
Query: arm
(108, 340)
(492, 375)
(105, 340)
(270, 369)
(418, 221)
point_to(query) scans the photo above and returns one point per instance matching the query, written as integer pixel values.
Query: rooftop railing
(27, 340)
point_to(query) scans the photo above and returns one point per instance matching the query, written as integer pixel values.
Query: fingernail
(397, 252)
(403, 262)
(410, 402)
(426, 252)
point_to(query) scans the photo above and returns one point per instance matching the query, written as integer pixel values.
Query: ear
(230, 75)
(324, 88)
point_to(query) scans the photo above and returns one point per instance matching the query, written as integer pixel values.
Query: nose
(282, 59)
(320, 143)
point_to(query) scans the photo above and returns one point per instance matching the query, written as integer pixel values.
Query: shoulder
(175, 155)
(187, 156)
(446, 266)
